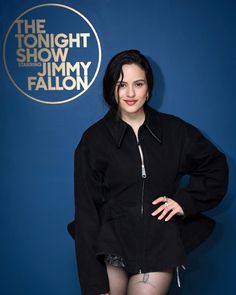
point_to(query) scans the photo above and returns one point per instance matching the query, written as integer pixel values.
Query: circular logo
(52, 53)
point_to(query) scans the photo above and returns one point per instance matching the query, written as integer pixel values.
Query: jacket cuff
(183, 198)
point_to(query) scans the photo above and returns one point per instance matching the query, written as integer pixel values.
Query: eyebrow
(139, 80)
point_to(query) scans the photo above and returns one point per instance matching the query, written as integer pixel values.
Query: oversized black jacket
(113, 201)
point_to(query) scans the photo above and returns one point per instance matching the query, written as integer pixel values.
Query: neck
(135, 120)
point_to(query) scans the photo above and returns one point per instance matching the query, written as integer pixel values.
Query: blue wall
(192, 48)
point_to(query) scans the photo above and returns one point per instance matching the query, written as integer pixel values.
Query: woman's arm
(88, 187)
(208, 171)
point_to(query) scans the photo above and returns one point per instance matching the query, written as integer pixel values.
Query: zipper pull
(144, 175)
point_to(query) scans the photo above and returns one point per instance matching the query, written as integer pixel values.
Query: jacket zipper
(144, 176)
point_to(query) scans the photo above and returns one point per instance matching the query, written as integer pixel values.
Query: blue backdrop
(192, 47)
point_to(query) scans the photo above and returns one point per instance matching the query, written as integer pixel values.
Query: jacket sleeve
(87, 187)
(208, 171)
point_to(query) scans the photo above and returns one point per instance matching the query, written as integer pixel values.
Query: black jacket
(113, 199)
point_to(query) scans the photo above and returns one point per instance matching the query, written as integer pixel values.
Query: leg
(153, 283)
(118, 280)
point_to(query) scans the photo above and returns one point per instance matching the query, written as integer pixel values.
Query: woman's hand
(168, 208)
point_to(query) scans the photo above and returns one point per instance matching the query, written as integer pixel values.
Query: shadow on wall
(159, 85)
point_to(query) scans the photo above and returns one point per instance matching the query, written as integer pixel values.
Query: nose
(130, 91)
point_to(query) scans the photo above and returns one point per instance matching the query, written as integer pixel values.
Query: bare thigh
(118, 280)
(153, 283)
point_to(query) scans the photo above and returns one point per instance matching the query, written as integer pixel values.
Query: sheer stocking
(118, 280)
(153, 283)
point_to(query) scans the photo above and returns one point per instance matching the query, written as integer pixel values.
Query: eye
(139, 84)
(121, 84)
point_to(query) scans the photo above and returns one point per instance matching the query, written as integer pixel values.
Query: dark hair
(114, 70)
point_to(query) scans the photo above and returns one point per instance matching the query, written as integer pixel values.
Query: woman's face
(132, 91)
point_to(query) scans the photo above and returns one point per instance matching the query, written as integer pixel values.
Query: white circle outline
(98, 43)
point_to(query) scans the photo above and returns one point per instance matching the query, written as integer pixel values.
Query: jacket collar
(118, 128)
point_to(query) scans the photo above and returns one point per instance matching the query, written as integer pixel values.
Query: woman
(133, 224)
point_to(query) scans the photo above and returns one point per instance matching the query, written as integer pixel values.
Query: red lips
(130, 102)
